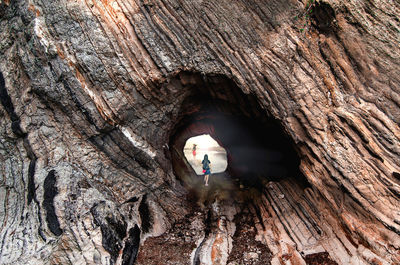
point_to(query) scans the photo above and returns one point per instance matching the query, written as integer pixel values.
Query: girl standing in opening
(206, 169)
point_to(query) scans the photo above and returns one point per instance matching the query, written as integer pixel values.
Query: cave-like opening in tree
(258, 150)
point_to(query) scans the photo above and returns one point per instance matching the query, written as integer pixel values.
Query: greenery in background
(306, 14)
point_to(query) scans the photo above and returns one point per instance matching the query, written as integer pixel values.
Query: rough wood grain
(91, 92)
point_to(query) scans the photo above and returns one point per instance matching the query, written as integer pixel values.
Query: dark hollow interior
(258, 149)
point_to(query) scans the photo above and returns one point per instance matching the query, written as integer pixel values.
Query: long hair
(205, 161)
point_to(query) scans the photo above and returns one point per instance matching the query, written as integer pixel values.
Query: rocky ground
(246, 249)
(176, 246)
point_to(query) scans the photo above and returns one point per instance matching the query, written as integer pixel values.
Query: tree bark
(91, 92)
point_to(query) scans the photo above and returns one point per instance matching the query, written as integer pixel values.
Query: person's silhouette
(194, 149)
(206, 169)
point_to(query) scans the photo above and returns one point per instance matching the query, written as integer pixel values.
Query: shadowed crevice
(131, 246)
(145, 215)
(396, 175)
(323, 17)
(50, 191)
(113, 229)
(31, 181)
(9, 107)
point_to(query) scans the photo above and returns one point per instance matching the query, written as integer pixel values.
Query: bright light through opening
(195, 149)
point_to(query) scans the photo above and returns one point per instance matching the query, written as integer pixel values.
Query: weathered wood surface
(92, 90)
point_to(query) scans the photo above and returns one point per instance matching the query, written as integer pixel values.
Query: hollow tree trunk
(91, 92)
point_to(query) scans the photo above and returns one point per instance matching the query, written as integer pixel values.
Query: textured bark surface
(93, 92)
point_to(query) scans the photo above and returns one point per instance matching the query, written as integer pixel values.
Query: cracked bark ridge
(92, 91)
